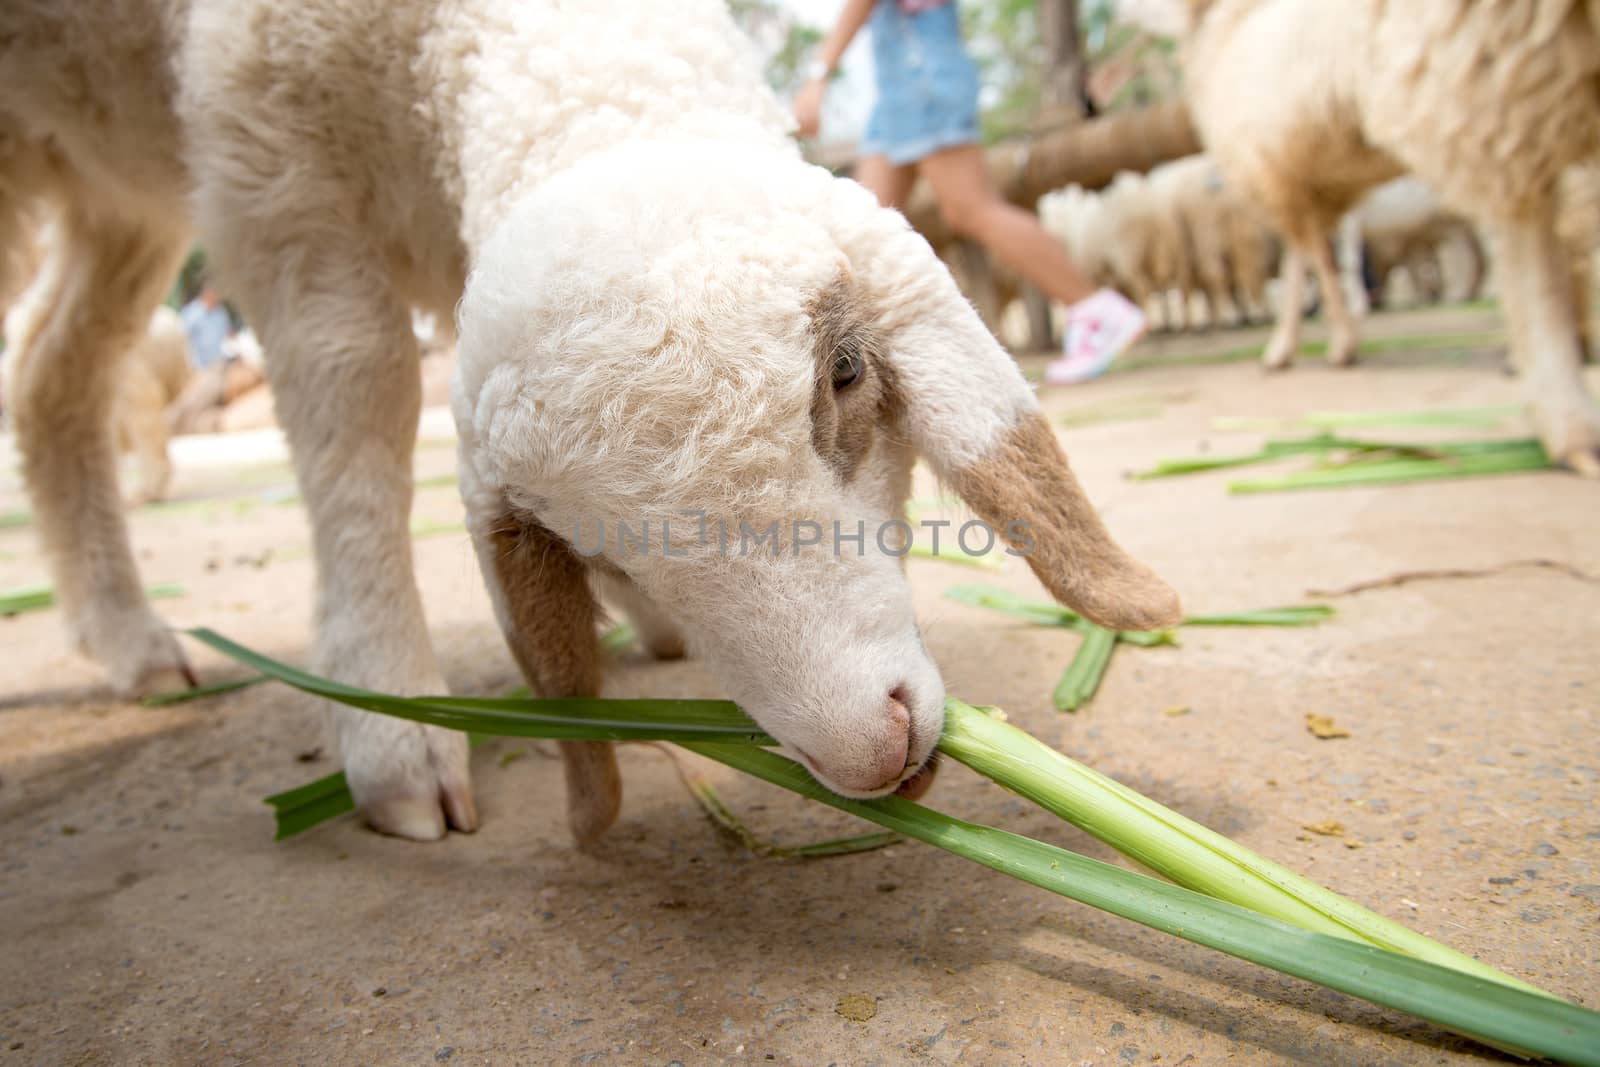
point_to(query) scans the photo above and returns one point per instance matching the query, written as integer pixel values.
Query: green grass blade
(298, 810)
(1292, 615)
(1533, 1024)
(1047, 614)
(1172, 845)
(1082, 676)
(1462, 463)
(183, 696)
(556, 719)
(1008, 603)
(1275, 449)
(1463, 995)
(13, 520)
(43, 595)
(1455, 418)
(619, 637)
(726, 820)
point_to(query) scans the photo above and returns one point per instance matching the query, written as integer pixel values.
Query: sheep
(664, 313)
(1402, 223)
(1227, 247)
(1121, 237)
(152, 375)
(1307, 105)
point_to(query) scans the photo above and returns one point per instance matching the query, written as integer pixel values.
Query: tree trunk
(1064, 101)
(1089, 154)
(1064, 81)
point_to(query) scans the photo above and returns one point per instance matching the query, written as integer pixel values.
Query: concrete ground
(147, 916)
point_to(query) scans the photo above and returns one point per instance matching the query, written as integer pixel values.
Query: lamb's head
(712, 372)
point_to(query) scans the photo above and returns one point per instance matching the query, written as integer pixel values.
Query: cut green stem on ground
(183, 696)
(1457, 418)
(1344, 461)
(1083, 675)
(1339, 945)
(42, 596)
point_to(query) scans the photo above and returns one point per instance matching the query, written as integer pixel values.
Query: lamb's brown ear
(1025, 490)
(960, 401)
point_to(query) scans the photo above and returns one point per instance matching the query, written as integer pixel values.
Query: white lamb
(1123, 237)
(151, 376)
(1226, 245)
(669, 316)
(1403, 224)
(1308, 104)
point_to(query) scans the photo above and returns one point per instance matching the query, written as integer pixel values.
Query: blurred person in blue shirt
(208, 325)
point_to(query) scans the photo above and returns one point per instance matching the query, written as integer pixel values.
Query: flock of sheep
(1307, 106)
(1186, 243)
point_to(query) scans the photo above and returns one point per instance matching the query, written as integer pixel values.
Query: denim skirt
(927, 84)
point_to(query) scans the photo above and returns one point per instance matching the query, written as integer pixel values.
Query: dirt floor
(147, 916)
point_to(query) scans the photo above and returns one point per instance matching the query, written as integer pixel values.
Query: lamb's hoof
(1273, 361)
(594, 789)
(409, 780)
(1571, 435)
(1342, 353)
(420, 817)
(1585, 463)
(139, 653)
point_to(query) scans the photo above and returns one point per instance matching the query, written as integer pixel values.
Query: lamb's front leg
(343, 364)
(1539, 305)
(540, 588)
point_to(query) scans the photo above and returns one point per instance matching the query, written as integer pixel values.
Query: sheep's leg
(1538, 291)
(1477, 265)
(145, 425)
(1349, 267)
(1342, 339)
(541, 593)
(1285, 341)
(103, 278)
(657, 632)
(343, 364)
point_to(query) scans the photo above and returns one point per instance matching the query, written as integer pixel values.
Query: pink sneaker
(1099, 329)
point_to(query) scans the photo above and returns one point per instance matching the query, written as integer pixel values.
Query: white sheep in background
(1403, 224)
(1226, 245)
(1308, 104)
(668, 313)
(149, 378)
(1121, 237)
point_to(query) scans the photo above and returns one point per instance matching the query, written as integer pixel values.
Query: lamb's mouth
(915, 781)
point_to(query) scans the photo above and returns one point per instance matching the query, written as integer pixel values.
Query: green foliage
(784, 44)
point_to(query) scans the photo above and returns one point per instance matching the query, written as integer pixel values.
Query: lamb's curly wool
(1308, 104)
(668, 314)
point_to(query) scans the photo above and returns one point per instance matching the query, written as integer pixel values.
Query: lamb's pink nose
(886, 761)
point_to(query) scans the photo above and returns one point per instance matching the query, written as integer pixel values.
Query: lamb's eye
(847, 367)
